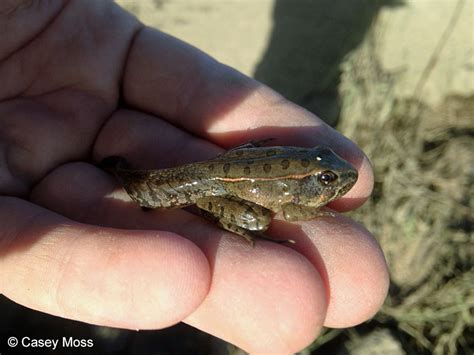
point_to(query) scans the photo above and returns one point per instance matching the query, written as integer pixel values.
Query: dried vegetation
(422, 207)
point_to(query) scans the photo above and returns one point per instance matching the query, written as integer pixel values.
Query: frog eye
(327, 177)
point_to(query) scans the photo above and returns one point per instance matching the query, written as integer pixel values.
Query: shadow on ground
(309, 41)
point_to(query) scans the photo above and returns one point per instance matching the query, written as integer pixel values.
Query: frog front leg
(293, 212)
(238, 216)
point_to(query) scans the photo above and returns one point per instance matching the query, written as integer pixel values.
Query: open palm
(81, 80)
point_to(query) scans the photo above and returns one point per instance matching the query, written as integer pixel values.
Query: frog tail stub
(113, 163)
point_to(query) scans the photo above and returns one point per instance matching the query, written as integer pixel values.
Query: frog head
(331, 177)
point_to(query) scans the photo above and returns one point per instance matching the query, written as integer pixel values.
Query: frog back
(269, 163)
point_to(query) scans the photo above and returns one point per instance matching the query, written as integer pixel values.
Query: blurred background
(397, 77)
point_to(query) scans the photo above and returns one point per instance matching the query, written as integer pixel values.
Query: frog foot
(251, 236)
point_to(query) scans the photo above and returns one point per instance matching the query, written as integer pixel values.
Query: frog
(243, 188)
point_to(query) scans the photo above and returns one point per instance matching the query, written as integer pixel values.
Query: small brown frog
(242, 188)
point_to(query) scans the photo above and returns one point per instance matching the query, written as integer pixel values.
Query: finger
(356, 270)
(349, 260)
(148, 142)
(267, 298)
(120, 278)
(174, 80)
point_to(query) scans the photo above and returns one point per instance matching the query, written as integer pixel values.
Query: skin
(73, 245)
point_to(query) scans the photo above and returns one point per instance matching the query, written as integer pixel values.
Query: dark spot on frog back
(247, 170)
(267, 168)
(285, 163)
(304, 163)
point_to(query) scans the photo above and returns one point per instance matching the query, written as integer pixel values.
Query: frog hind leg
(238, 216)
(293, 212)
(248, 235)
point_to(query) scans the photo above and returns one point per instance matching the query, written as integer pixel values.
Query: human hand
(82, 80)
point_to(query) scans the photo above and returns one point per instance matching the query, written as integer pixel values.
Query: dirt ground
(395, 76)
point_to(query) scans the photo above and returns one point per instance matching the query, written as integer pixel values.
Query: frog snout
(350, 178)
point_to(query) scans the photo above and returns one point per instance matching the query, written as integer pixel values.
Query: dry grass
(421, 209)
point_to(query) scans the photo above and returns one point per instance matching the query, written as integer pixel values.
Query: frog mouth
(351, 178)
